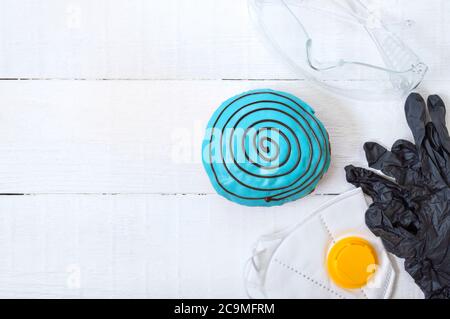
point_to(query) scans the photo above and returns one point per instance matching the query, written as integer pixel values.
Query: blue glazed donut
(265, 148)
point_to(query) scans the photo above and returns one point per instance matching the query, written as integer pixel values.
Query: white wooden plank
(145, 136)
(175, 39)
(136, 246)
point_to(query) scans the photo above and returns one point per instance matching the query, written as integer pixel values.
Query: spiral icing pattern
(265, 148)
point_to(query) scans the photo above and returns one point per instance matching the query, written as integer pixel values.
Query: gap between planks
(198, 79)
(125, 194)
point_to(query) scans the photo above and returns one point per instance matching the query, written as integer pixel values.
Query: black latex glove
(412, 214)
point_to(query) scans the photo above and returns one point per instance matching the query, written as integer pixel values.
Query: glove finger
(432, 136)
(438, 160)
(377, 156)
(374, 185)
(416, 117)
(380, 158)
(401, 163)
(432, 145)
(436, 109)
(437, 136)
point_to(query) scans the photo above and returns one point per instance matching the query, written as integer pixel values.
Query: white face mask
(298, 262)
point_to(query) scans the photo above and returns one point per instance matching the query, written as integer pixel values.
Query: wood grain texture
(136, 246)
(176, 39)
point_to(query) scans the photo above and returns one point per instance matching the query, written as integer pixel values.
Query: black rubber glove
(412, 214)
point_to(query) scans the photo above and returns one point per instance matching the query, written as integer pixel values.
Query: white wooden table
(103, 107)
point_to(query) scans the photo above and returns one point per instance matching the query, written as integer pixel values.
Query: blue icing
(265, 148)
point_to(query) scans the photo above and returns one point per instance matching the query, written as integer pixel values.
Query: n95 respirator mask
(332, 254)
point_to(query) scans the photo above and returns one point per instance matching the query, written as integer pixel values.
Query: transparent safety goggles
(341, 44)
